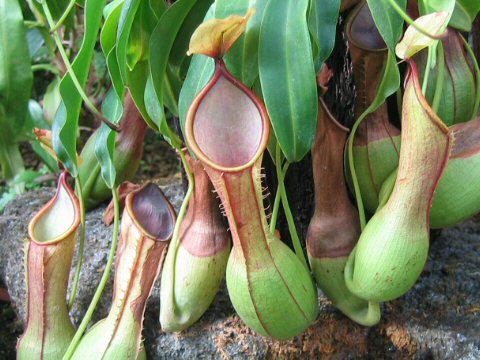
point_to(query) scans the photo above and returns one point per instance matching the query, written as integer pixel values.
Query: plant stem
(65, 14)
(186, 199)
(428, 68)
(46, 67)
(276, 207)
(65, 59)
(175, 242)
(351, 164)
(410, 21)
(440, 78)
(281, 172)
(276, 204)
(71, 72)
(33, 24)
(103, 281)
(87, 187)
(81, 245)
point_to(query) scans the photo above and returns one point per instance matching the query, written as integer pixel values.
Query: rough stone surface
(439, 318)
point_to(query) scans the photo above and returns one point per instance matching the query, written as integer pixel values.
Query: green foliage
(65, 125)
(141, 51)
(174, 22)
(15, 85)
(389, 23)
(199, 73)
(284, 75)
(322, 22)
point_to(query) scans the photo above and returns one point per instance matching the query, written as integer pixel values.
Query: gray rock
(439, 318)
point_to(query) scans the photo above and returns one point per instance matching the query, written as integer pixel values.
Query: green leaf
(155, 110)
(35, 118)
(157, 8)
(242, 59)
(429, 6)
(178, 52)
(105, 141)
(138, 55)
(171, 90)
(322, 22)
(15, 86)
(235, 57)
(388, 85)
(136, 81)
(104, 148)
(163, 40)
(52, 99)
(35, 42)
(108, 38)
(288, 80)
(65, 125)
(112, 107)
(26, 176)
(138, 43)
(129, 66)
(15, 71)
(43, 154)
(127, 17)
(199, 73)
(389, 23)
(57, 8)
(461, 19)
(472, 7)
(252, 38)
(413, 41)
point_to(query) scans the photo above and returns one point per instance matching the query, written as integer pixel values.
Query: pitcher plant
(377, 142)
(335, 227)
(393, 248)
(48, 256)
(227, 128)
(147, 226)
(197, 258)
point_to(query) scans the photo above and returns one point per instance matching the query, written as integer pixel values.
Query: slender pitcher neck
(242, 201)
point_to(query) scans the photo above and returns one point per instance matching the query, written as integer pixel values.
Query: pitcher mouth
(59, 218)
(151, 212)
(361, 30)
(227, 142)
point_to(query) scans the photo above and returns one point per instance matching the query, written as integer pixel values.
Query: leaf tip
(215, 37)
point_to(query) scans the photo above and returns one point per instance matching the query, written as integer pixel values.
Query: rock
(14, 229)
(439, 318)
